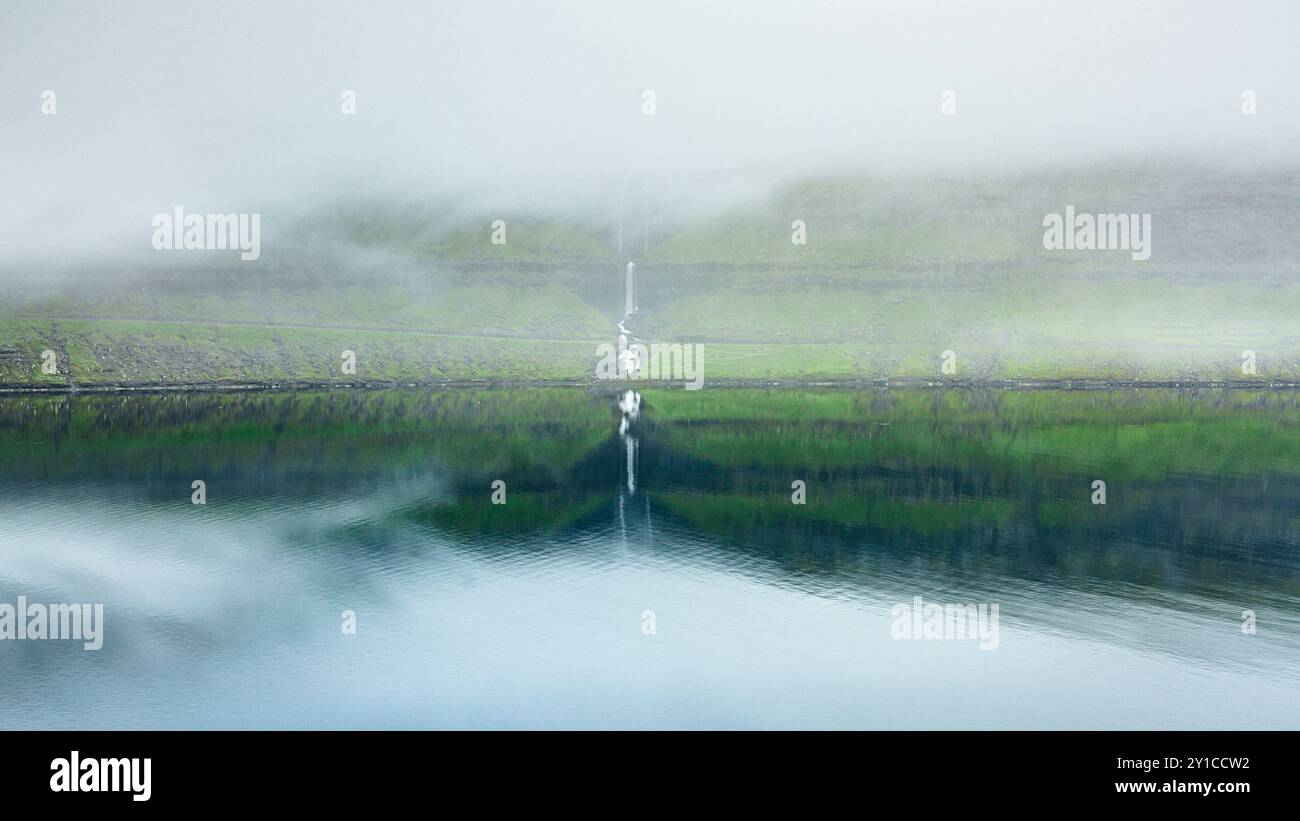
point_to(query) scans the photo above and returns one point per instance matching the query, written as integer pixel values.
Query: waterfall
(630, 303)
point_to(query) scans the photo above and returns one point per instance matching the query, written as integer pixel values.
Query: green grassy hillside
(892, 274)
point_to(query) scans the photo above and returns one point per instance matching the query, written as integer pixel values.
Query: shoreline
(906, 382)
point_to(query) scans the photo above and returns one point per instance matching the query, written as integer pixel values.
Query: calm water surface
(766, 613)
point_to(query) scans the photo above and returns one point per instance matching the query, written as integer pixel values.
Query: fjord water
(666, 508)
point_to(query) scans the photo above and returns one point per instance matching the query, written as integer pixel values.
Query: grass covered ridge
(893, 273)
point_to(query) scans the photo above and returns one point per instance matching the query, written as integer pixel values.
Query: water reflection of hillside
(975, 487)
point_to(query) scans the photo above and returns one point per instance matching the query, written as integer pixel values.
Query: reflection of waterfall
(622, 521)
(631, 464)
(629, 405)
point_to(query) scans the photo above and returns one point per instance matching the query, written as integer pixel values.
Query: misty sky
(235, 106)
